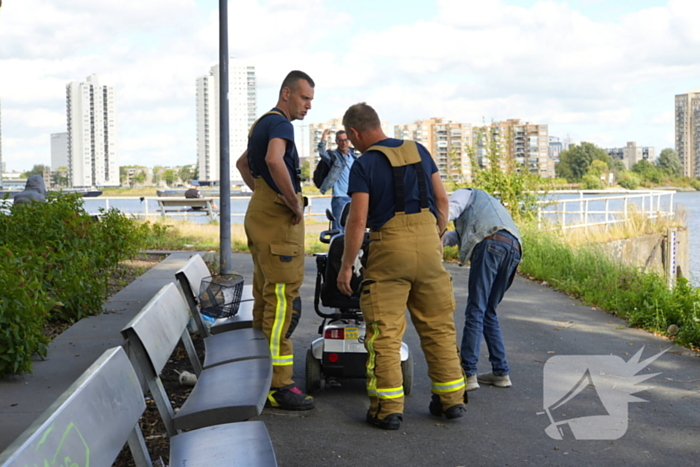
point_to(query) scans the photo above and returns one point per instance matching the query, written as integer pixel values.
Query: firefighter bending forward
(274, 225)
(397, 192)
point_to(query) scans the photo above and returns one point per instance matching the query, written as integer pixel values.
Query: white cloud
(36, 118)
(466, 60)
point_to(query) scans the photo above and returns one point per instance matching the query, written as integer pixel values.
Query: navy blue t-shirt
(270, 127)
(372, 173)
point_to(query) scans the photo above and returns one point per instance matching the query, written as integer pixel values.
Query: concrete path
(503, 426)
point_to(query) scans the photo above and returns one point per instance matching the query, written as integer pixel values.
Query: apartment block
(59, 150)
(448, 142)
(688, 132)
(526, 144)
(631, 154)
(92, 134)
(242, 112)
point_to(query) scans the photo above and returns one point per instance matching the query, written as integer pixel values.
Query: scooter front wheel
(314, 381)
(407, 372)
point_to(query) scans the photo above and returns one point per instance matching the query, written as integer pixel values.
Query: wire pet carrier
(220, 296)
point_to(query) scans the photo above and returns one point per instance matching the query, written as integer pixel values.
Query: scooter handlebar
(326, 235)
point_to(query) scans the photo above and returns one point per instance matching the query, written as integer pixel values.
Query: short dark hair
(291, 80)
(361, 117)
(338, 133)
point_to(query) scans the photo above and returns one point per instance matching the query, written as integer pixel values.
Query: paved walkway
(503, 426)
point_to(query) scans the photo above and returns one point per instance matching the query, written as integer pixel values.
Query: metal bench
(176, 204)
(227, 392)
(89, 423)
(190, 277)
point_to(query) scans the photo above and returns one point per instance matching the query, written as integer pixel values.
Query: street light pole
(226, 258)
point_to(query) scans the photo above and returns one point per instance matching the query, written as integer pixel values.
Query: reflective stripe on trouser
(277, 249)
(404, 269)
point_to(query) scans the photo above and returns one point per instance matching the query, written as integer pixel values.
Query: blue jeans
(337, 205)
(493, 265)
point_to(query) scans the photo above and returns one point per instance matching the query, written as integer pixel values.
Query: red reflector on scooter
(335, 333)
(333, 357)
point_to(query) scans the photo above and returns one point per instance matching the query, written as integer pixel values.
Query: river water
(688, 201)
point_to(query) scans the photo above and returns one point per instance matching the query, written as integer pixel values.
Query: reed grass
(637, 224)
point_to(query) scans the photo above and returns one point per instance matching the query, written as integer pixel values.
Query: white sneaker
(472, 384)
(493, 380)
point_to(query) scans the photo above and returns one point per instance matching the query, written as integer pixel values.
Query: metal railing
(142, 210)
(588, 208)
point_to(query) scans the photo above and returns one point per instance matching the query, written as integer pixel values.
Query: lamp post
(226, 258)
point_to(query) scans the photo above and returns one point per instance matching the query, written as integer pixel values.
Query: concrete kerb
(23, 399)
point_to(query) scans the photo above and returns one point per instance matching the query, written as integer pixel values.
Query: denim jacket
(483, 216)
(337, 165)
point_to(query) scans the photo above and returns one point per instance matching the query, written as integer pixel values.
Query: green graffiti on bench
(66, 461)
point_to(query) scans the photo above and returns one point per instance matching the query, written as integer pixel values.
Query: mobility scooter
(340, 351)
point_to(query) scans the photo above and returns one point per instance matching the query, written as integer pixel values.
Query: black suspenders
(400, 188)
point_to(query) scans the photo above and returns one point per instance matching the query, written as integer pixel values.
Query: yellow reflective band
(278, 323)
(392, 393)
(372, 357)
(283, 360)
(449, 387)
(371, 391)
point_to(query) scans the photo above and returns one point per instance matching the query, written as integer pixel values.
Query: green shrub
(629, 180)
(66, 256)
(592, 182)
(23, 311)
(695, 183)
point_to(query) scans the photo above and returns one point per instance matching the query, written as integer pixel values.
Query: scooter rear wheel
(314, 381)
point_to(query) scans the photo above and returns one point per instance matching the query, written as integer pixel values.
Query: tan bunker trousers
(404, 268)
(277, 248)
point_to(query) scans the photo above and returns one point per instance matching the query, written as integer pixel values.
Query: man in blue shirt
(397, 192)
(340, 161)
(274, 225)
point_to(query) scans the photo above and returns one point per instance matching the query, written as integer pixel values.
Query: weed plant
(586, 273)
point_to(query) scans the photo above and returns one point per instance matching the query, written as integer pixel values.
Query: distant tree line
(585, 163)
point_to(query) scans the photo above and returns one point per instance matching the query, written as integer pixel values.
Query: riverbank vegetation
(586, 273)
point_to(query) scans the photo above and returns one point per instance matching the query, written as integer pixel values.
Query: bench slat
(230, 392)
(242, 344)
(89, 423)
(243, 444)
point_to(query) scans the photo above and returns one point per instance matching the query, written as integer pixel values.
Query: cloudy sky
(602, 71)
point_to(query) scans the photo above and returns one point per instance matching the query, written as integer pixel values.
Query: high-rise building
(524, 143)
(92, 134)
(631, 154)
(688, 132)
(59, 150)
(449, 143)
(242, 112)
(556, 147)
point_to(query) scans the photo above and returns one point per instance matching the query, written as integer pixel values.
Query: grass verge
(586, 273)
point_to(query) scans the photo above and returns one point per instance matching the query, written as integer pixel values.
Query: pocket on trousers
(369, 301)
(284, 263)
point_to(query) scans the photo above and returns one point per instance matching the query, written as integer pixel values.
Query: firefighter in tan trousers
(397, 192)
(274, 226)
